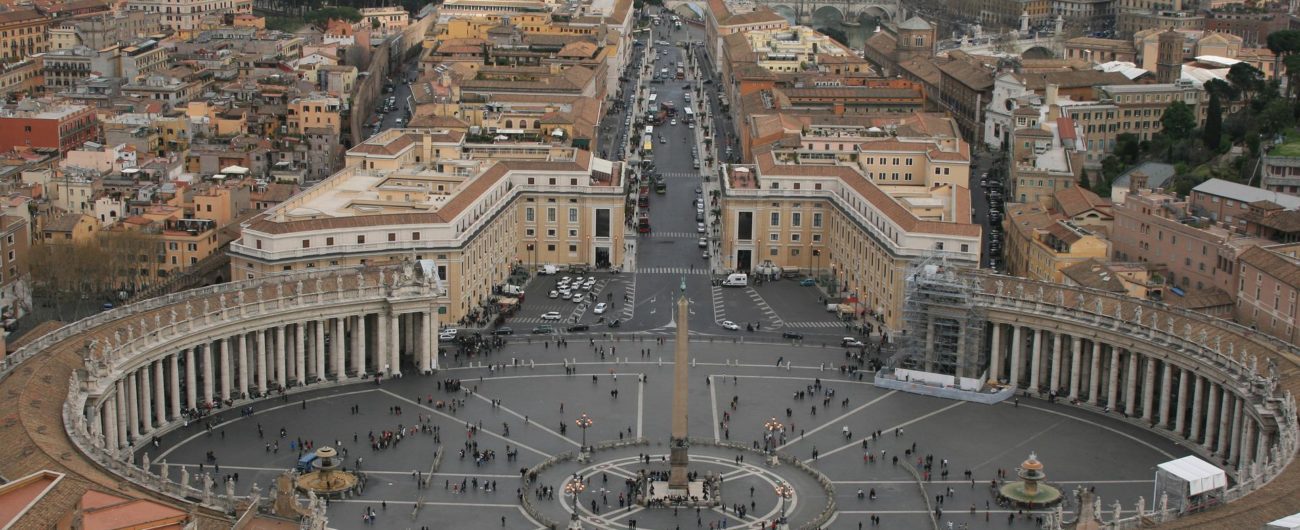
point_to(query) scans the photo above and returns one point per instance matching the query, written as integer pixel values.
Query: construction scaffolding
(943, 324)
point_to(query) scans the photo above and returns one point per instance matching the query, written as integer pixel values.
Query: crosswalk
(814, 324)
(680, 175)
(675, 235)
(672, 270)
(773, 320)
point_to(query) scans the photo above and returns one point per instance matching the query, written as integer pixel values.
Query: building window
(528, 215)
(573, 215)
(776, 219)
(329, 241)
(550, 215)
(415, 236)
(361, 240)
(392, 236)
(306, 243)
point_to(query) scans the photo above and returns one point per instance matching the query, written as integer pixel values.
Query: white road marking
(528, 423)
(838, 419)
(640, 405)
(1100, 426)
(713, 404)
(899, 426)
(458, 420)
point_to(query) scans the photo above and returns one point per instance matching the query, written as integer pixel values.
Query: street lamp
(572, 488)
(583, 422)
(772, 427)
(817, 263)
(784, 491)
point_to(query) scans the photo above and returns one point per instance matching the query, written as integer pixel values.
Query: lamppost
(583, 422)
(572, 488)
(772, 427)
(784, 491)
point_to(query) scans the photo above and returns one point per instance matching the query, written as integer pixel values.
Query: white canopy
(557, 133)
(1290, 522)
(235, 170)
(1201, 476)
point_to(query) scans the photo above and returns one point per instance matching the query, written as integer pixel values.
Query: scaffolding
(943, 324)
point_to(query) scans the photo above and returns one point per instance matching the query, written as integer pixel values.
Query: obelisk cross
(677, 457)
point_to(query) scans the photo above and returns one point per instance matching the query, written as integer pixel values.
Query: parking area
(542, 307)
(781, 304)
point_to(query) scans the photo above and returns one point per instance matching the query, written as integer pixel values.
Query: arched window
(510, 124)
(537, 124)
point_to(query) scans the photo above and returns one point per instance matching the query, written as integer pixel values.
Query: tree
(836, 34)
(1213, 131)
(1128, 147)
(1276, 117)
(1284, 42)
(1084, 182)
(1178, 121)
(1225, 91)
(1292, 65)
(321, 17)
(1246, 78)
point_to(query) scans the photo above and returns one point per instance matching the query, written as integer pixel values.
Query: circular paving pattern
(522, 414)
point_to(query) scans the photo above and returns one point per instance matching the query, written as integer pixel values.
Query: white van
(736, 280)
(547, 270)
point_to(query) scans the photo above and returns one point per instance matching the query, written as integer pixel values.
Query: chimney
(1137, 181)
(1053, 91)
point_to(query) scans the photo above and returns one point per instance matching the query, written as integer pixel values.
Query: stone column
(1035, 362)
(359, 345)
(208, 382)
(146, 399)
(260, 338)
(1076, 353)
(1166, 393)
(1130, 388)
(159, 395)
(175, 398)
(1184, 389)
(318, 349)
(1235, 448)
(132, 409)
(1112, 384)
(1094, 374)
(1017, 344)
(1225, 422)
(995, 354)
(382, 330)
(242, 353)
(1197, 395)
(111, 436)
(1149, 390)
(280, 367)
(428, 350)
(1054, 381)
(408, 334)
(338, 344)
(300, 353)
(1247, 442)
(225, 368)
(191, 380)
(395, 350)
(1211, 415)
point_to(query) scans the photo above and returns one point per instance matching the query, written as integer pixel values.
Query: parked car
(503, 330)
(551, 315)
(791, 335)
(851, 342)
(553, 294)
(600, 308)
(543, 329)
(807, 282)
(727, 324)
(578, 327)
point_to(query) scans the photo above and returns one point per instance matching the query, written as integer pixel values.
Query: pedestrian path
(675, 235)
(719, 308)
(672, 270)
(815, 324)
(680, 175)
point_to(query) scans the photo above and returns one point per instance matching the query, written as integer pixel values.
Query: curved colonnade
(140, 370)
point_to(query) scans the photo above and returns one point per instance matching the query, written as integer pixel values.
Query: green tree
(1225, 91)
(1246, 78)
(1284, 42)
(1213, 131)
(1084, 182)
(1276, 117)
(321, 17)
(1292, 65)
(1128, 147)
(1178, 121)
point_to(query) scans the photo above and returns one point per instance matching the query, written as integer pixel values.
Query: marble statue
(299, 288)
(1101, 306)
(1020, 291)
(1080, 302)
(92, 349)
(189, 310)
(381, 277)
(1169, 323)
(144, 461)
(1218, 343)
(117, 337)
(259, 293)
(1155, 321)
(1254, 364)
(1040, 293)
(1119, 311)
(173, 316)
(408, 270)
(361, 281)
(1060, 297)
(338, 283)
(1164, 503)
(999, 284)
(320, 285)
(1119, 509)
(230, 490)
(279, 290)
(207, 488)
(207, 308)
(255, 491)
(1187, 330)
(157, 322)
(221, 301)
(1141, 505)
(163, 469)
(185, 477)
(1137, 315)
(240, 298)
(1203, 338)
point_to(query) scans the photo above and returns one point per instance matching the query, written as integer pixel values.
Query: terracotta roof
(883, 43)
(1287, 221)
(19, 15)
(1284, 269)
(1076, 200)
(64, 223)
(851, 92)
(1072, 79)
(1094, 274)
(975, 77)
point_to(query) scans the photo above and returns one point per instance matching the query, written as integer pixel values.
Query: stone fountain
(1030, 491)
(327, 479)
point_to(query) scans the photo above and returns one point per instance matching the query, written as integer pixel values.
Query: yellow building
(74, 228)
(477, 210)
(22, 34)
(1039, 245)
(315, 112)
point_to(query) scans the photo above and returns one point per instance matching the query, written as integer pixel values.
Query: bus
(690, 114)
(649, 130)
(652, 104)
(647, 144)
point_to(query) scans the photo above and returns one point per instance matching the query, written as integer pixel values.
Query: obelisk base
(678, 460)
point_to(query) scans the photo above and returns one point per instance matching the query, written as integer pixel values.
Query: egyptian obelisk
(677, 458)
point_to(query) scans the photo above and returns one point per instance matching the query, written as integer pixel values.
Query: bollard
(787, 366)
(692, 362)
(822, 368)
(661, 361)
(532, 363)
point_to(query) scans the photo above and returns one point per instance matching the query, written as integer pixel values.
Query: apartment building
(1157, 228)
(385, 20)
(1040, 244)
(47, 125)
(1014, 90)
(476, 209)
(315, 111)
(186, 15)
(21, 78)
(1268, 284)
(15, 248)
(22, 34)
(855, 204)
(1096, 50)
(965, 89)
(1134, 109)
(1228, 203)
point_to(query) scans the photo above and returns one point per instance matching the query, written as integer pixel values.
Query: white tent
(1290, 522)
(1192, 484)
(1201, 476)
(235, 170)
